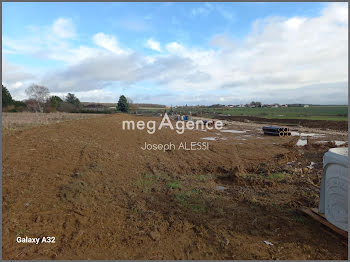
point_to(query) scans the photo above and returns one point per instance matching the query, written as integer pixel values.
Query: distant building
(274, 105)
(284, 105)
(306, 105)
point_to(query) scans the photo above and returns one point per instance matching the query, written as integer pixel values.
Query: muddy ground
(88, 183)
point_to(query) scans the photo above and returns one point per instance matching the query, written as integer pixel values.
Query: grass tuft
(174, 185)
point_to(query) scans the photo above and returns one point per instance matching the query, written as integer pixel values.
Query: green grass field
(312, 112)
(337, 113)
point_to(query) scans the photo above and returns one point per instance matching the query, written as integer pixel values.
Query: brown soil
(88, 183)
(323, 124)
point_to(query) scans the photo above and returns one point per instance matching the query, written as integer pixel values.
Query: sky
(179, 53)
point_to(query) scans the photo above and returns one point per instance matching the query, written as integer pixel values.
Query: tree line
(40, 100)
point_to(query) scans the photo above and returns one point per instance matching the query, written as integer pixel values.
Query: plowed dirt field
(89, 184)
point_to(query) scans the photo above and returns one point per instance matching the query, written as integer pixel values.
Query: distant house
(284, 105)
(273, 105)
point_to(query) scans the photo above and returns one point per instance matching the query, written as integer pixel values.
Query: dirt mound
(322, 124)
(89, 184)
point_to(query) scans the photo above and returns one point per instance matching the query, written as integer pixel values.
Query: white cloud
(63, 28)
(174, 47)
(16, 79)
(279, 54)
(45, 42)
(336, 12)
(108, 42)
(13, 73)
(154, 45)
(295, 22)
(46, 45)
(76, 55)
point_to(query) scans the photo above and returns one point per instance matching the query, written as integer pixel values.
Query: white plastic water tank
(334, 187)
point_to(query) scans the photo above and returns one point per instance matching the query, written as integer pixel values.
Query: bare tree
(39, 94)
